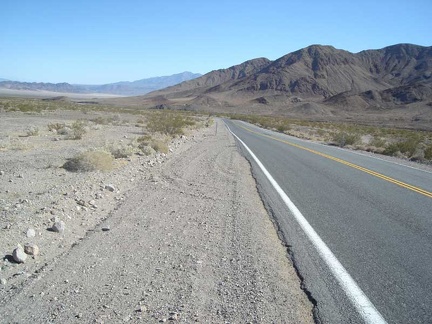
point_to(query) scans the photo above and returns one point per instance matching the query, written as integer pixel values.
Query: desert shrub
(148, 145)
(283, 128)
(144, 140)
(147, 150)
(90, 161)
(121, 151)
(168, 123)
(55, 126)
(342, 139)
(114, 120)
(406, 147)
(27, 107)
(78, 130)
(378, 142)
(159, 146)
(33, 131)
(100, 120)
(428, 152)
(391, 149)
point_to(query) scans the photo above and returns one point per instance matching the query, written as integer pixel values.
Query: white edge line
(363, 305)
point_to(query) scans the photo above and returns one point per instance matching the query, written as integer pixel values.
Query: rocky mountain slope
(317, 79)
(125, 88)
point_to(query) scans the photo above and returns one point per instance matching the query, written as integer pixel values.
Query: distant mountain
(138, 87)
(55, 87)
(3, 80)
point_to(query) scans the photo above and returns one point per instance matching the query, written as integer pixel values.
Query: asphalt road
(374, 215)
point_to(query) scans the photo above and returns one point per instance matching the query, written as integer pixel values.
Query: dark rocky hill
(212, 80)
(318, 82)
(318, 72)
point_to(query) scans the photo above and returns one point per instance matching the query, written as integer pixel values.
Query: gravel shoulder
(187, 240)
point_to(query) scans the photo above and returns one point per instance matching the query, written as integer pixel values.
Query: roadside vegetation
(155, 130)
(415, 145)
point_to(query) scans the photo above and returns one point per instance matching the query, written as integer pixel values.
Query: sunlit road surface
(374, 216)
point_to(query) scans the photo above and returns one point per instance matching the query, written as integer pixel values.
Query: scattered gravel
(187, 241)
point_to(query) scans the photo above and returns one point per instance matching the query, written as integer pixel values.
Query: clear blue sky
(95, 41)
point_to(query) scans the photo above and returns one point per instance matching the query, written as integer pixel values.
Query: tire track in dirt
(192, 243)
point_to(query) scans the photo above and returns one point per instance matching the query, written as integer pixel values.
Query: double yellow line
(355, 166)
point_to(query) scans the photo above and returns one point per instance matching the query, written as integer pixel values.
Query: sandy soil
(182, 238)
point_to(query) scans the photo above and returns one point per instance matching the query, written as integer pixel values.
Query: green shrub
(78, 130)
(168, 123)
(428, 153)
(406, 147)
(90, 161)
(342, 139)
(283, 128)
(144, 140)
(378, 142)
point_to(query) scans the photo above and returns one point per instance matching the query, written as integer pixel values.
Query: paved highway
(374, 216)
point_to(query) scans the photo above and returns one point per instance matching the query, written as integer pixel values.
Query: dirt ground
(181, 237)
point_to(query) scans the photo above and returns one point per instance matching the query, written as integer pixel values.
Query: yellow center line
(355, 166)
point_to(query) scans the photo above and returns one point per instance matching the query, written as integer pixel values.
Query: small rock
(58, 227)
(173, 316)
(106, 228)
(3, 281)
(110, 187)
(79, 315)
(80, 202)
(2, 173)
(19, 255)
(31, 249)
(142, 309)
(31, 233)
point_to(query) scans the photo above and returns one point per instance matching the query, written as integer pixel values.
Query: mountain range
(124, 88)
(315, 81)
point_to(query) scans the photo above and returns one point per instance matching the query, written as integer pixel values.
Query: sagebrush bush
(147, 141)
(406, 147)
(428, 152)
(90, 161)
(55, 126)
(342, 139)
(78, 130)
(33, 131)
(121, 151)
(168, 123)
(100, 120)
(283, 128)
(159, 146)
(378, 142)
